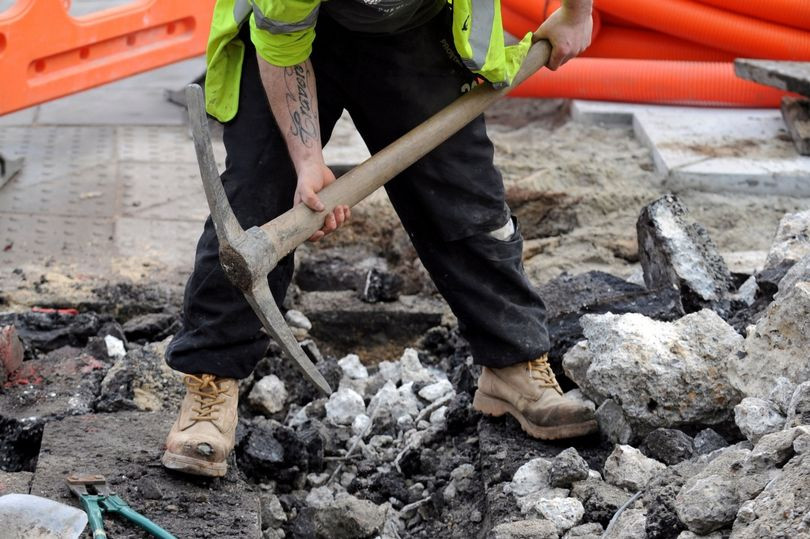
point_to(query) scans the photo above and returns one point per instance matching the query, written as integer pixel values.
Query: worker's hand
(311, 179)
(569, 31)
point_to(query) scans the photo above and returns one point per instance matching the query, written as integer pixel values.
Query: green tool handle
(94, 516)
(115, 504)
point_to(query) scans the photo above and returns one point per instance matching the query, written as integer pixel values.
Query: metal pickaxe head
(247, 256)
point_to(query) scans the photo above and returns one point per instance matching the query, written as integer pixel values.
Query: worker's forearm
(294, 102)
(579, 8)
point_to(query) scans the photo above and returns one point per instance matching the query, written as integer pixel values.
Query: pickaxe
(247, 256)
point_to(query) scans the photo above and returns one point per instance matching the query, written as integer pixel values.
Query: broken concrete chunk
(412, 369)
(613, 424)
(631, 524)
(268, 396)
(777, 346)
(791, 242)
(436, 391)
(627, 467)
(601, 500)
(532, 476)
(663, 374)
(151, 327)
(757, 417)
(343, 406)
(297, 319)
(669, 446)
(347, 516)
(47, 331)
(799, 272)
(565, 513)
(352, 367)
(115, 347)
(566, 468)
(707, 504)
(591, 530)
(707, 441)
(676, 253)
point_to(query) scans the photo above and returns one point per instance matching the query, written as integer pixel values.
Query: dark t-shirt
(382, 16)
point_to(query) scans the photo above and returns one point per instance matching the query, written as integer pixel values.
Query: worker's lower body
(449, 202)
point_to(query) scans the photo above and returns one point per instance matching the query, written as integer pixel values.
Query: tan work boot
(530, 393)
(204, 433)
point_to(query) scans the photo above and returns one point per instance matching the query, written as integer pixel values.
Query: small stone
(627, 467)
(800, 272)
(707, 504)
(532, 476)
(566, 468)
(565, 513)
(297, 319)
(115, 347)
(360, 424)
(149, 489)
(438, 416)
(320, 498)
(352, 367)
(631, 524)
(390, 371)
(669, 446)
(707, 441)
(601, 500)
(392, 402)
(344, 406)
(757, 417)
(405, 423)
(774, 450)
(348, 516)
(436, 391)
(317, 479)
(272, 512)
(799, 407)
(525, 529)
(269, 395)
(412, 369)
(613, 423)
(691, 535)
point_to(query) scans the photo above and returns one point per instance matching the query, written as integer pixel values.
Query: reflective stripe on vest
(241, 11)
(279, 27)
(483, 14)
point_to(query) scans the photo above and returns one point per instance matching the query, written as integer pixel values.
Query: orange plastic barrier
(640, 44)
(649, 81)
(713, 27)
(788, 12)
(45, 53)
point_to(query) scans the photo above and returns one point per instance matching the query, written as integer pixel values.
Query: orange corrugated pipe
(534, 13)
(649, 81)
(714, 27)
(640, 44)
(788, 12)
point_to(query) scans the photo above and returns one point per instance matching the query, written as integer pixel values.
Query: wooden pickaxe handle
(291, 229)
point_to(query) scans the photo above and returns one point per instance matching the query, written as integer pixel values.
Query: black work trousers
(448, 201)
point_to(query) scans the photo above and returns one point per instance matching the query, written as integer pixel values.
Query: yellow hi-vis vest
(283, 32)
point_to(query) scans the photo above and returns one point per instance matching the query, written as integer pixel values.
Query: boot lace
(207, 394)
(540, 370)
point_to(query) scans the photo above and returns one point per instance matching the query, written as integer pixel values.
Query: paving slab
(112, 105)
(714, 150)
(171, 243)
(126, 447)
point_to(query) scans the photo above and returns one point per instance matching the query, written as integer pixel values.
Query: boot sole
(494, 407)
(192, 466)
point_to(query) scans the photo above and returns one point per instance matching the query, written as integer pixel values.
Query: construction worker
(279, 76)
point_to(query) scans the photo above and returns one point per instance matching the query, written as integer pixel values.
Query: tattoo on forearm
(304, 119)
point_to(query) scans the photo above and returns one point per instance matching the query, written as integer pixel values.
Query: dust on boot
(203, 435)
(530, 393)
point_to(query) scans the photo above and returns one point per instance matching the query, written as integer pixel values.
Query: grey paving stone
(43, 238)
(21, 117)
(112, 106)
(166, 242)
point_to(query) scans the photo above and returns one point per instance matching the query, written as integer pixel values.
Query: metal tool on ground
(26, 516)
(97, 499)
(247, 256)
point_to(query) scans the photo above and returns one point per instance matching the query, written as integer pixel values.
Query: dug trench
(702, 412)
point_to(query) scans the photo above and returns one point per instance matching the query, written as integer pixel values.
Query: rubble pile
(700, 380)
